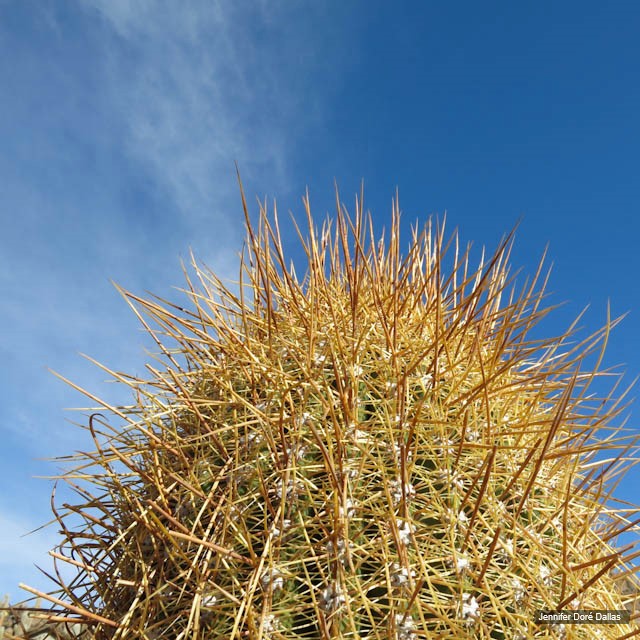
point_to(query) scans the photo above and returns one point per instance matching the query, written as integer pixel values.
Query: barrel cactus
(376, 450)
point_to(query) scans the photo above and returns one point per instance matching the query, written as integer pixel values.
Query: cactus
(378, 450)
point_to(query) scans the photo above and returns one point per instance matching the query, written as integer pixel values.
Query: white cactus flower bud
(332, 598)
(399, 576)
(397, 487)
(460, 564)
(277, 531)
(544, 573)
(469, 610)
(338, 549)
(404, 532)
(445, 446)
(519, 592)
(270, 625)
(404, 627)
(272, 580)
(208, 600)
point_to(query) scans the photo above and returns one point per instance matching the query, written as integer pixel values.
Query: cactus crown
(376, 450)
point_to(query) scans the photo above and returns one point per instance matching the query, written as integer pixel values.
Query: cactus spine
(377, 450)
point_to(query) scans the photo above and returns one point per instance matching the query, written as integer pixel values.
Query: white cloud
(202, 87)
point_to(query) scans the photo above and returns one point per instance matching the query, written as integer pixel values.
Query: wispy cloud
(203, 87)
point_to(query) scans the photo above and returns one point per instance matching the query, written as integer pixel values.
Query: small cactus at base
(375, 451)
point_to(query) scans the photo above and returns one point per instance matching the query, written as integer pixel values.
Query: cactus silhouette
(375, 450)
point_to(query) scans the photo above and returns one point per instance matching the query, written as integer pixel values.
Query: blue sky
(120, 123)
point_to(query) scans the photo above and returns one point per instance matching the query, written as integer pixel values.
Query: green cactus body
(377, 451)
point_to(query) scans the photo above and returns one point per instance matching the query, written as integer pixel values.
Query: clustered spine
(376, 451)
